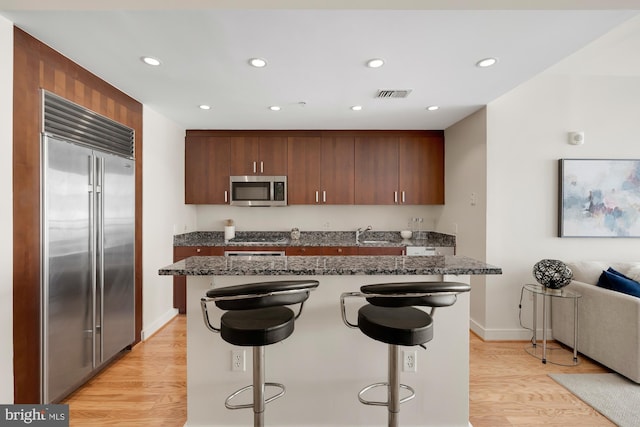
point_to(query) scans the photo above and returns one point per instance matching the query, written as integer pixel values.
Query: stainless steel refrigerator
(88, 201)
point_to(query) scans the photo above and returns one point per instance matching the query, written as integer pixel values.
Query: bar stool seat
(405, 326)
(262, 326)
(391, 317)
(256, 316)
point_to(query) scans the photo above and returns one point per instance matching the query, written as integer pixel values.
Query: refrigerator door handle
(99, 315)
(94, 267)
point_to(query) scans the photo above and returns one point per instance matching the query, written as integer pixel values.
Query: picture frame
(599, 198)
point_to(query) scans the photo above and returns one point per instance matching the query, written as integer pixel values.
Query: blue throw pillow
(617, 281)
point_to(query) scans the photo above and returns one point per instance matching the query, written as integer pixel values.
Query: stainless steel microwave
(258, 190)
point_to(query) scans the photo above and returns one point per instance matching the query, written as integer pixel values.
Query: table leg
(535, 320)
(544, 329)
(575, 330)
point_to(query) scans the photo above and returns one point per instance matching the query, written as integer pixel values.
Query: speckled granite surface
(313, 238)
(329, 265)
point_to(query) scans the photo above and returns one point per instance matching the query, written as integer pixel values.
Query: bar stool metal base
(393, 389)
(385, 403)
(229, 405)
(258, 388)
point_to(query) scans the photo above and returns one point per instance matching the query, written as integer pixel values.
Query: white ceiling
(315, 56)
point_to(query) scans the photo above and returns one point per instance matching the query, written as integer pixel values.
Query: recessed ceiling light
(258, 62)
(375, 63)
(433, 108)
(205, 107)
(486, 62)
(274, 108)
(150, 61)
(356, 107)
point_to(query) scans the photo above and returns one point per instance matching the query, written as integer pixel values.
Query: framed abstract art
(599, 198)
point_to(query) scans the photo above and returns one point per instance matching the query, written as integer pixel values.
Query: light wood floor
(508, 387)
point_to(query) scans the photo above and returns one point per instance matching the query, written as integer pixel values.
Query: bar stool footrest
(229, 405)
(385, 384)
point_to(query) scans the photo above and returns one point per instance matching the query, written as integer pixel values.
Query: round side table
(555, 357)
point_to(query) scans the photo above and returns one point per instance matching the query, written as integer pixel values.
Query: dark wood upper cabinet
(376, 170)
(403, 170)
(421, 170)
(258, 155)
(323, 167)
(337, 171)
(303, 180)
(207, 170)
(320, 170)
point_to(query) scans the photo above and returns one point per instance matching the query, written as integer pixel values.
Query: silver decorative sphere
(552, 273)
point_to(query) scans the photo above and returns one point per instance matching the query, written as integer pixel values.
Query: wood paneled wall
(36, 66)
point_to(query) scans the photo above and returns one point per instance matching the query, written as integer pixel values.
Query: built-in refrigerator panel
(67, 267)
(88, 239)
(88, 234)
(118, 195)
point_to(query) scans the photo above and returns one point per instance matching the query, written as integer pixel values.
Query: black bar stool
(256, 315)
(391, 317)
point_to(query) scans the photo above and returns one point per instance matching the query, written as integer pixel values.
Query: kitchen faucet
(360, 232)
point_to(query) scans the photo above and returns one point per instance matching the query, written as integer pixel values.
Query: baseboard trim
(504, 334)
(158, 323)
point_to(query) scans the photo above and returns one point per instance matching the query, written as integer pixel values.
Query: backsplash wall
(317, 218)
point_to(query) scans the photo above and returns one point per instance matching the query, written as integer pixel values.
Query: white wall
(316, 218)
(465, 211)
(596, 90)
(163, 211)
(6, 211)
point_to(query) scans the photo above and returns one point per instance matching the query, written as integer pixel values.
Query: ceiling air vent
(393, 93)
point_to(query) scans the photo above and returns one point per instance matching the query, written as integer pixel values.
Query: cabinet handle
(226, 196)
(261, 167)
(324, 196)
(316, 196)
(339, 250)
(395, 197)
(254, 167)
(198, 250)
(403, 198)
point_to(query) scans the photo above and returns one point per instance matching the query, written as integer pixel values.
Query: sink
(375, 241)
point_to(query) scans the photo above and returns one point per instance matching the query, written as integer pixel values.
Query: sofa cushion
(634, 272)
(587, 271)
(616, 281)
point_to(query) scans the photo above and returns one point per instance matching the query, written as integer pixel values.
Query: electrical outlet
(409, 361)
(237, 361)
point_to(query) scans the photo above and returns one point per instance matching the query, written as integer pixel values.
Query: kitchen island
(324, 364)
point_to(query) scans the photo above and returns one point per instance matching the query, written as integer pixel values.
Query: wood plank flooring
(145, 388)
(508, 387)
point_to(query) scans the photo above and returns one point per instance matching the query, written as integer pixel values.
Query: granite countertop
(314, 238)
(329, 265)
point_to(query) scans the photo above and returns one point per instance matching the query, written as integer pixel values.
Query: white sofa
(608, 321)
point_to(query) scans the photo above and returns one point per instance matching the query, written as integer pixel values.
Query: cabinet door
(376, 171)
(421, 170)
(340, 250)
(380, 251)
(273, 156)
(244, 155)
(321, 250)
(206, 170)
(180, 282)
(258, 155)
(337, 171)
(303, 179)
